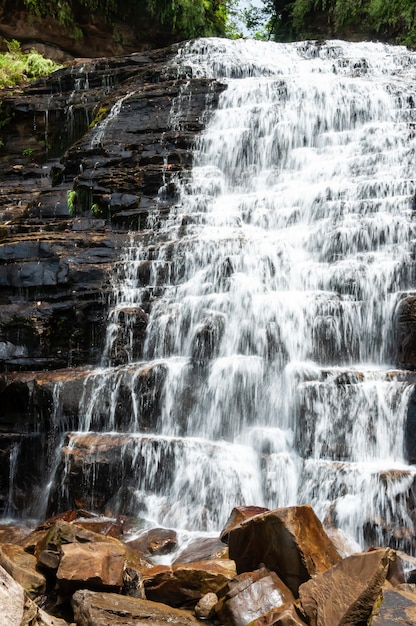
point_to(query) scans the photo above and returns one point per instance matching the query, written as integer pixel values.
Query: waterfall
(270, 295)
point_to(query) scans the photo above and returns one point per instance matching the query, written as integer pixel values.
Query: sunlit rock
(251, 594)
(22, 567)
(347, 592)
(97, 566)
(289, 541)
(185, 584)
(100, 609)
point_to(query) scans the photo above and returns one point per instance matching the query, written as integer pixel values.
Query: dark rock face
(91, 36)
(406, 332)
(88, 150)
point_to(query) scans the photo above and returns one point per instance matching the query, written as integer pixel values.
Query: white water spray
(272, 326)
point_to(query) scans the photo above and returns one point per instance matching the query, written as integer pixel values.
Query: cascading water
(273, 286)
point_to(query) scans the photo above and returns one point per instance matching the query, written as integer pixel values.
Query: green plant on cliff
(188, 18)
(72, 202)
(192, 17)
(17, 67)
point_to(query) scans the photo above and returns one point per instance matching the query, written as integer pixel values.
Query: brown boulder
(289, 541)
(346, 593)
(238, 515)
(22, 567)
(205, 608)
(102, 609)
(62, 533)
(97, 566)
(250, 595)
(184, 585)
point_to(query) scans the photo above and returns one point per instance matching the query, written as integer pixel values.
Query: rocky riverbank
(274, 567)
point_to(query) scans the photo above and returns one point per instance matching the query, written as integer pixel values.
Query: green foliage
(189, 18)
(27, 152)
(72, 202)
(193, 18)
(96, 210)
(392, 20)
(399, 15)
(16, 67)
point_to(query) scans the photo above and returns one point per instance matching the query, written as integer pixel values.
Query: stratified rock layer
(68, 199)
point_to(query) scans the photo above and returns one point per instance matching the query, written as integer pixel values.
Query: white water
(271, 327)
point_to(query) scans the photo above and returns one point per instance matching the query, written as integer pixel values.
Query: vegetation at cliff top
(16, 66)
(286, 20)
(282, 20)
(189, 18)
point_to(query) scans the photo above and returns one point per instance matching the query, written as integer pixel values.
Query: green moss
(99, 116)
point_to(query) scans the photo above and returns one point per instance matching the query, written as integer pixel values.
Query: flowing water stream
(274, 283)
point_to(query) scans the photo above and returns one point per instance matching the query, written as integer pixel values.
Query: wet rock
(184, 585)
(103, 470)
(202, 549)
(346, 593)
(156, 541)
(102, 609)
(410, 430)
(250, 595)
(13, 533)
(22, 567)
(397, 607)
(56, 266)
(406, 332)
(289, 541)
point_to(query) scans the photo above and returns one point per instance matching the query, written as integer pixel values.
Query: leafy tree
(188, 18)
(392, 20)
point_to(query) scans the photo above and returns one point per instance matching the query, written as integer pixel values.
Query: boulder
(22, 567)
(156, 541)
(346, 593)
(286, 615)
(205, 607)
(289, 541)
(97, 566)
(102, 609)
(12, 599)
(202, 549)
(238, 515)
(397, 607)
(250, 595)
(184, 585)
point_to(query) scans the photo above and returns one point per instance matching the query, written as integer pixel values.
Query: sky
(242, 4)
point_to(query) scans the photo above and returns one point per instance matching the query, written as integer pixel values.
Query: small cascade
(250, 355)
(100, 129)
(14, 452)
